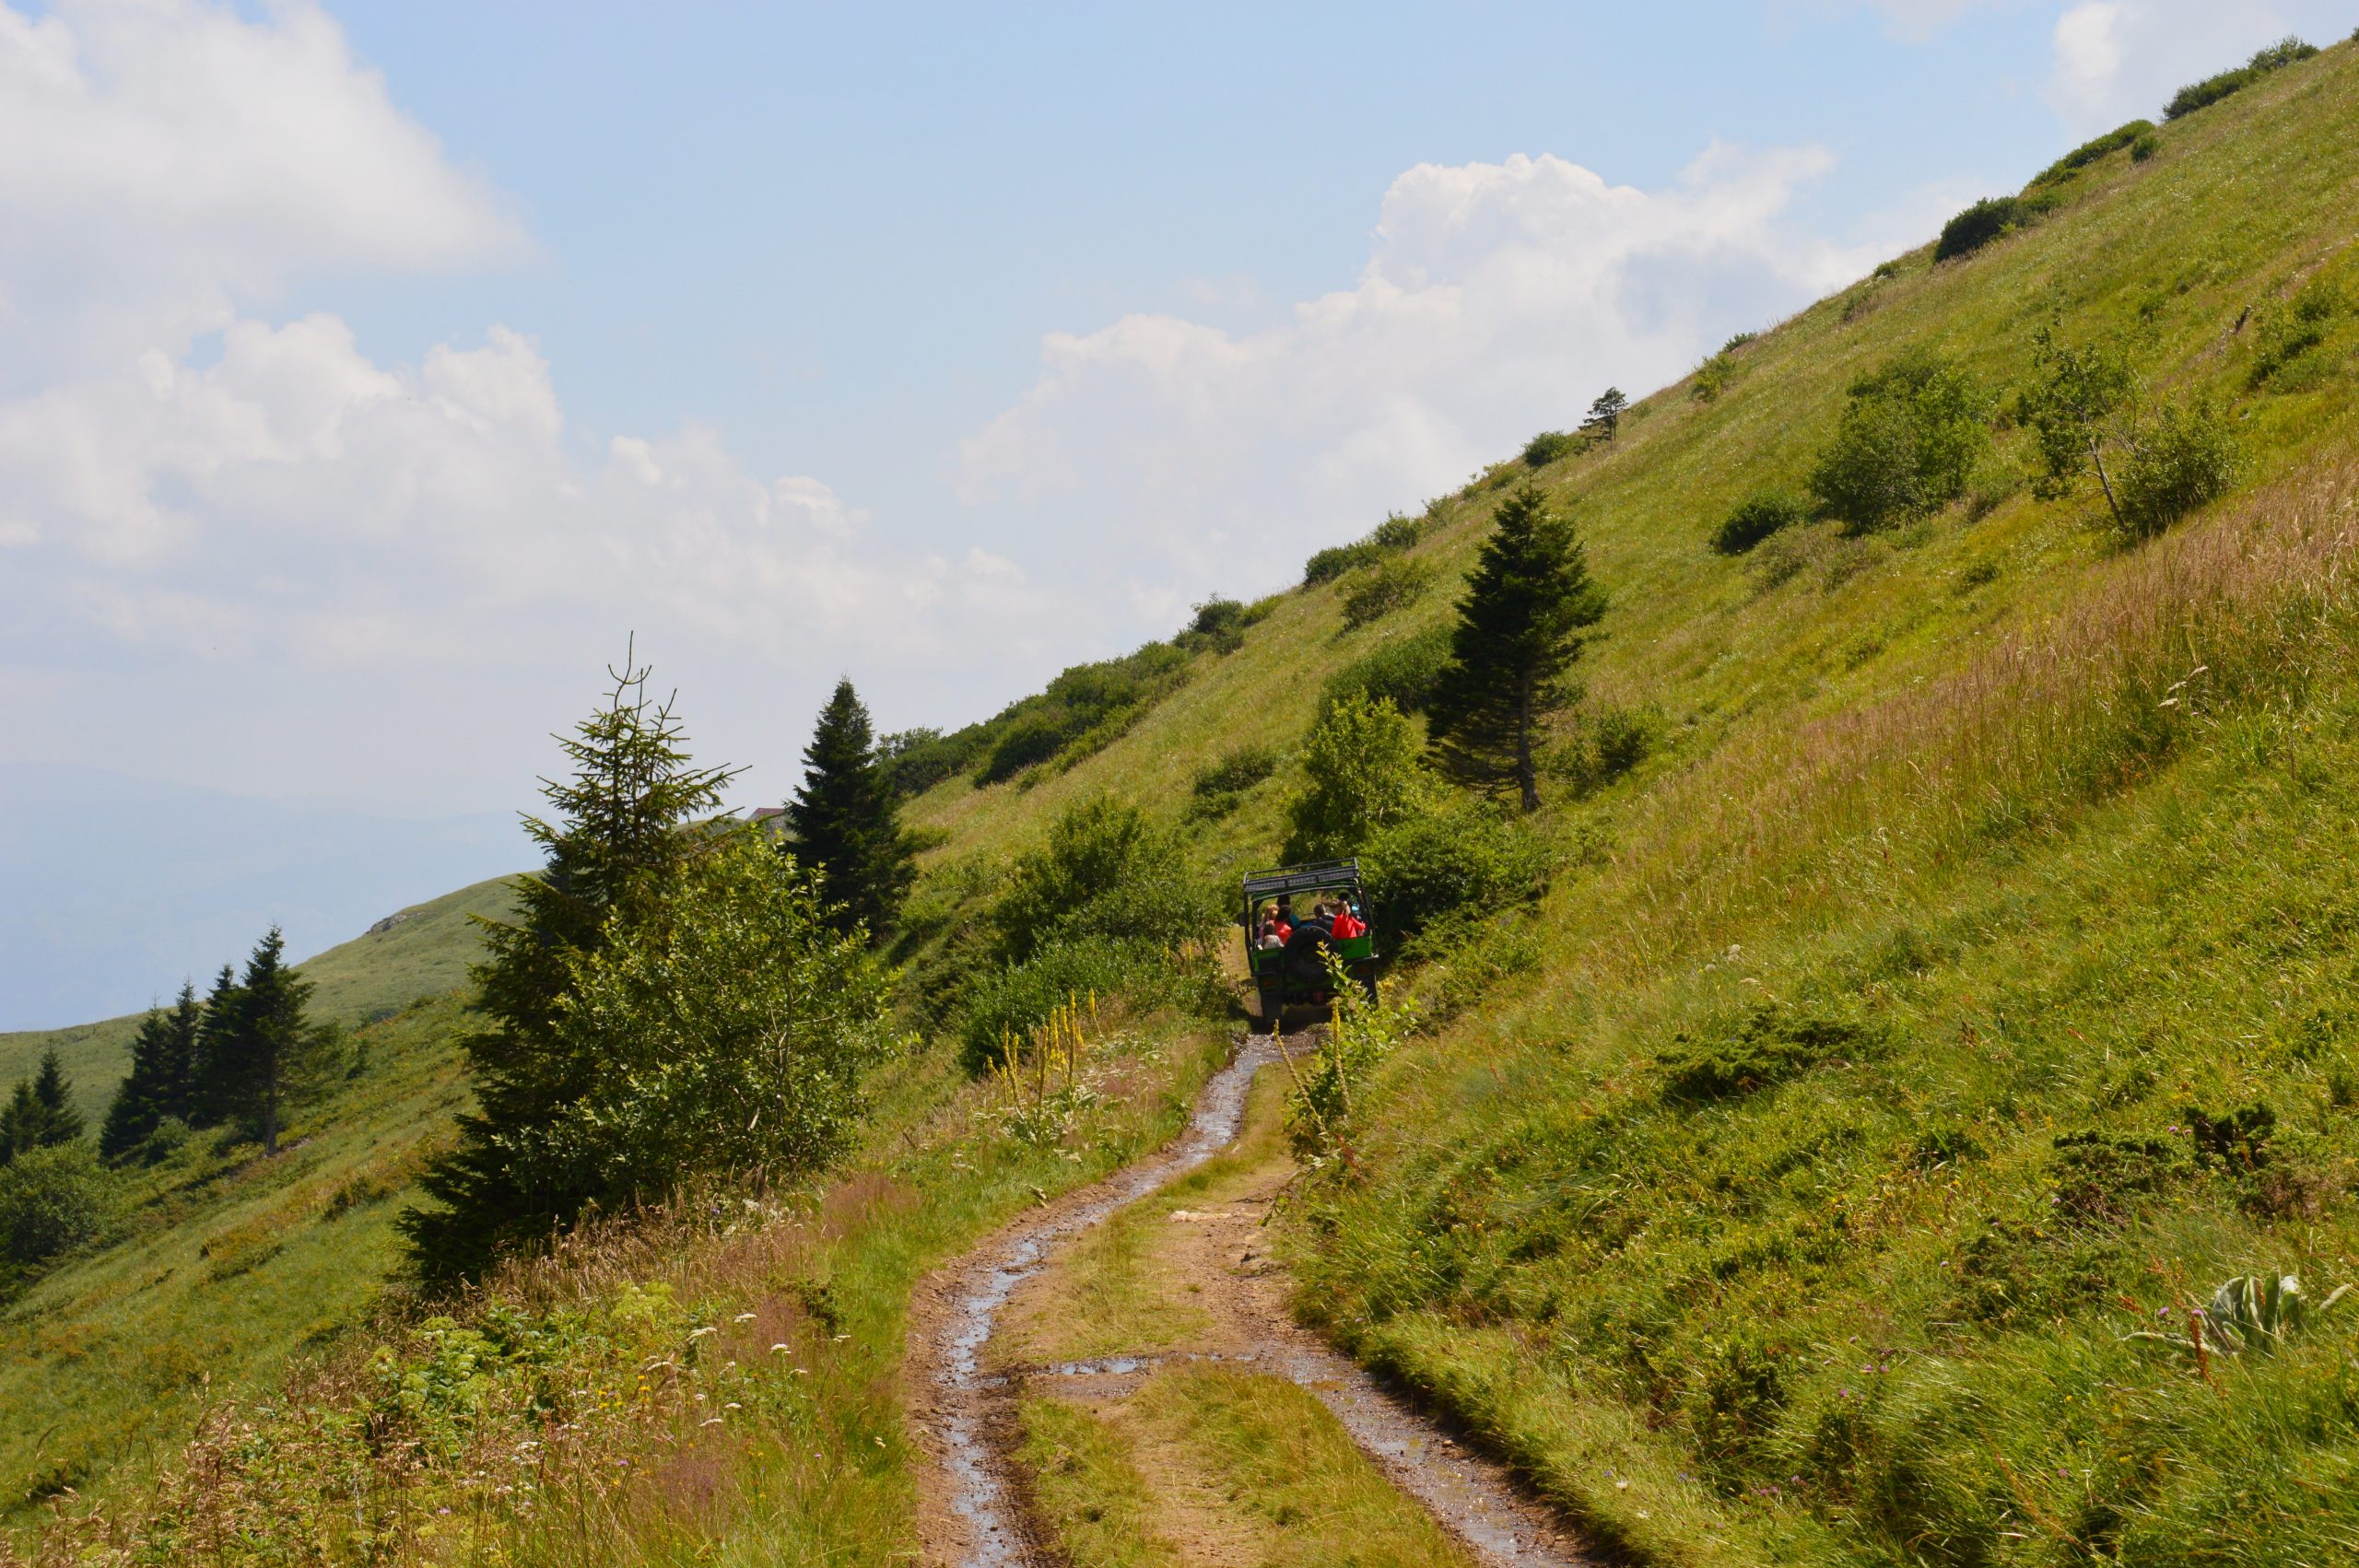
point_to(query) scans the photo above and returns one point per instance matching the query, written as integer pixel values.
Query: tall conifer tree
(158, 1084)
(619, 836)
(846, 819)
(1518, 630)
(214, 1067)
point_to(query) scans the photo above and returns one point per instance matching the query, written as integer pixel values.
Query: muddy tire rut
(974, 1506)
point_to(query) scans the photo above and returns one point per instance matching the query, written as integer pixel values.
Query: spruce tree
(846, 821)
(157, 1087)
(281, 1054)
(1605, 413)
(41, 1112)
(621, 834)
(216, 1066)
(1518, 631)
(17, 1121)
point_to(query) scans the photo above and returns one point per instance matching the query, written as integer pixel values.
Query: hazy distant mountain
(112, 888)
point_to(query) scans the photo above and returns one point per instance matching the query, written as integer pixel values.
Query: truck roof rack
(1309, 878)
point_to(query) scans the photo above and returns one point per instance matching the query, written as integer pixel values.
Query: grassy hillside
(1791, 1185)
(424, 951)
(1957, 987)
(225, 1266)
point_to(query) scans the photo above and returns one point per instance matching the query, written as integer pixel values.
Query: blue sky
(369, 372)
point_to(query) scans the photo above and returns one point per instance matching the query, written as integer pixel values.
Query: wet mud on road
(972, 1512)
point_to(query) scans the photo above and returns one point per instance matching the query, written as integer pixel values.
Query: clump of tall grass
(2163, 640)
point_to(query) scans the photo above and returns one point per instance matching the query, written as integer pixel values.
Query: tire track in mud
(971, 1511)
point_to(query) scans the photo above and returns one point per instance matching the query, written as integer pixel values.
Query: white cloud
(2118, 59)
(249, 547)
(1499, 297)
(160, 161)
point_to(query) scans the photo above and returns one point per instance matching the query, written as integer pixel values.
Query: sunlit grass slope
(225, 1265)
(1794, 1181)
(424, 951)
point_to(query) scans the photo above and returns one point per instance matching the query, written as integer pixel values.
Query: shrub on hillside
(1405, 671)
(52, 1200)
(1083, 709)
(1236, 770)
(1771, 1045)
(1904, 445)
(2293, 328)
(733, 1033)
(2185, 456)
(1219, 625)
(1398, 532)
(1374, 593)
(1978, 226)
(1326, 565)
(1756, 518)
(1007, 1003)
(2088, 152)
(1458, 856)
(1362, 770)
(1605, 746)
(1548, 447)
(1108, 872)
(2287, 51)
(1713, 377)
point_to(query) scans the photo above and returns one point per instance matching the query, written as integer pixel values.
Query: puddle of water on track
(1469, 1495)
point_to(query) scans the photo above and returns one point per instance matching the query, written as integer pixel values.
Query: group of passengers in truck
(1274, 923)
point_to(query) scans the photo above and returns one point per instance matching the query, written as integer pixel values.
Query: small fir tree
(158, 1085)
(1518, 631)
(846, 820)
(41, 1113)
(281, 1056)
(1606, 415)
(619, 837)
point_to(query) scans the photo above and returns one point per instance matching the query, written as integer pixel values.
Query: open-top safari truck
(1292, 971)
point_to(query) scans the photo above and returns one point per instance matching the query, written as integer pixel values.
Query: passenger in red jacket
(1347, 924)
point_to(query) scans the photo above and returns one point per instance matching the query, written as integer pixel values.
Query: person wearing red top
(1347, 925)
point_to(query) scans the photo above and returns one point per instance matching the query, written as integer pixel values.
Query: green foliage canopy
(1906, 443)
(1362, 770)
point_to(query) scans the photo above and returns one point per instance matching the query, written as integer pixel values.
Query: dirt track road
(975, 1505)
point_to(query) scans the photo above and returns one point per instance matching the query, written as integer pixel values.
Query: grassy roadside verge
(714, 1383)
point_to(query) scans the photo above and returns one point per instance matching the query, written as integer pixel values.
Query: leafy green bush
(1737, 341)
(1456, 856)
(733, 1034)
(1010, 1002)
(1219, 625)
(1397, 533)
(1362, 770)
(1083, 709)
(2287, 51)
(1108, 872)
(52, 1200)
(1756, 518)
(1905, 446)
(1374, 593)
(2145, 148)
(1713, 377)
(1326, 565)
(1978, 226)
(2088, 152)
(1605, 746)
(2185, 456)
(1549, 445)
(1405, 671)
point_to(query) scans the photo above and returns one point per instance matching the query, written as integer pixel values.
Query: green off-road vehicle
(1291, 970)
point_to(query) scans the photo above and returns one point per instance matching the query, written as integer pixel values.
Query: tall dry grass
(2160, 642)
